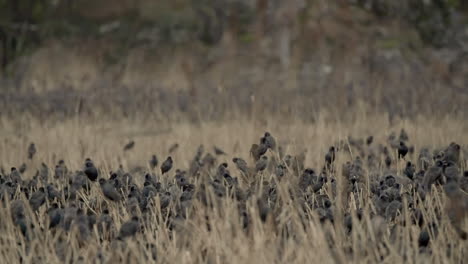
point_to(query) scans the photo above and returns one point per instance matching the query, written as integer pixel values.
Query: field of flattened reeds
(365, 190)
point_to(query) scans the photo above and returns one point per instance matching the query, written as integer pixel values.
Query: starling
(280, 170)
(452, 173)
(166, 165)
(52, 193)
(424, 238)
(402, 150)
(330, 156)
(424, 158)
(104, 222)
(37, 199)
(129, 228)
(22, 168)
(403, 135)
(55, 215)
(241, 165)
(409, 170)
(31, 151)
(152, 179)
(129, 145)
(61, 170)
(15, 175)
(17, 209)
(457, 207)
(258, 150)
(432, 174)
(218, 151)
(388, 161)
(109, 191)
(261, 164)
(153, 162)
(173, 147)
(90, 170)
(222, 169)
(452, 153)
(269, 141)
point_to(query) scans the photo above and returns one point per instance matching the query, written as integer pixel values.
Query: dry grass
(215, 234)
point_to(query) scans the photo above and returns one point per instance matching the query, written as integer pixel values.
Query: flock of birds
(391, 174)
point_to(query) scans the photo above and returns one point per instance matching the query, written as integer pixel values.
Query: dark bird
(402, 150)
(269, 141)
(166, 165)
(31, 151)
(90, 170)
(456, 207)
(369, 140)
(432, 174)
(452, 173)
(61, 170)
(330, 156)
(424, 238)
(241, 165)
(258, 150)
(424, 158)
(280, 170)
(130, 228)
(55, 215)
(409, 170)
(261, 164)
(452, 153)
(22, 168)
(109, 191)
(173, 147)
(15, 175)
(52, 193)
(37, 199)
(153, 162)
(129, 145)
(403, 135)
(218, 151)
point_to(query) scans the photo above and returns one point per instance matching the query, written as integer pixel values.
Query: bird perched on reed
(61, 170)
(402, 150)
(432, 174)
(153, 162)
(218, 151)
(129, 145)
(90, 170)
(269, 141)
(173, 147)
(261, 164)
(166, 166)
(456, 207)
(31, 150)
(130, 228)
(256, 151)
(37, 199)
(452, 153)
(330, 157)
(241, 165)
(109, 190)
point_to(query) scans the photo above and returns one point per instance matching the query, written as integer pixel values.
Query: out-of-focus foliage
(25, 23)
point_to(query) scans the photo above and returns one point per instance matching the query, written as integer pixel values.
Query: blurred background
(216, 59)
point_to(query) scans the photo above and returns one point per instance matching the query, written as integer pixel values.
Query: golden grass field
(213, 232)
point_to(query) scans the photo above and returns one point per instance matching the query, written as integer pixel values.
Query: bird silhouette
(109, 190)
(456, 207)
(153, 162)
(31, 151)
(129, 145)
(90, 170)
(166, 166)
